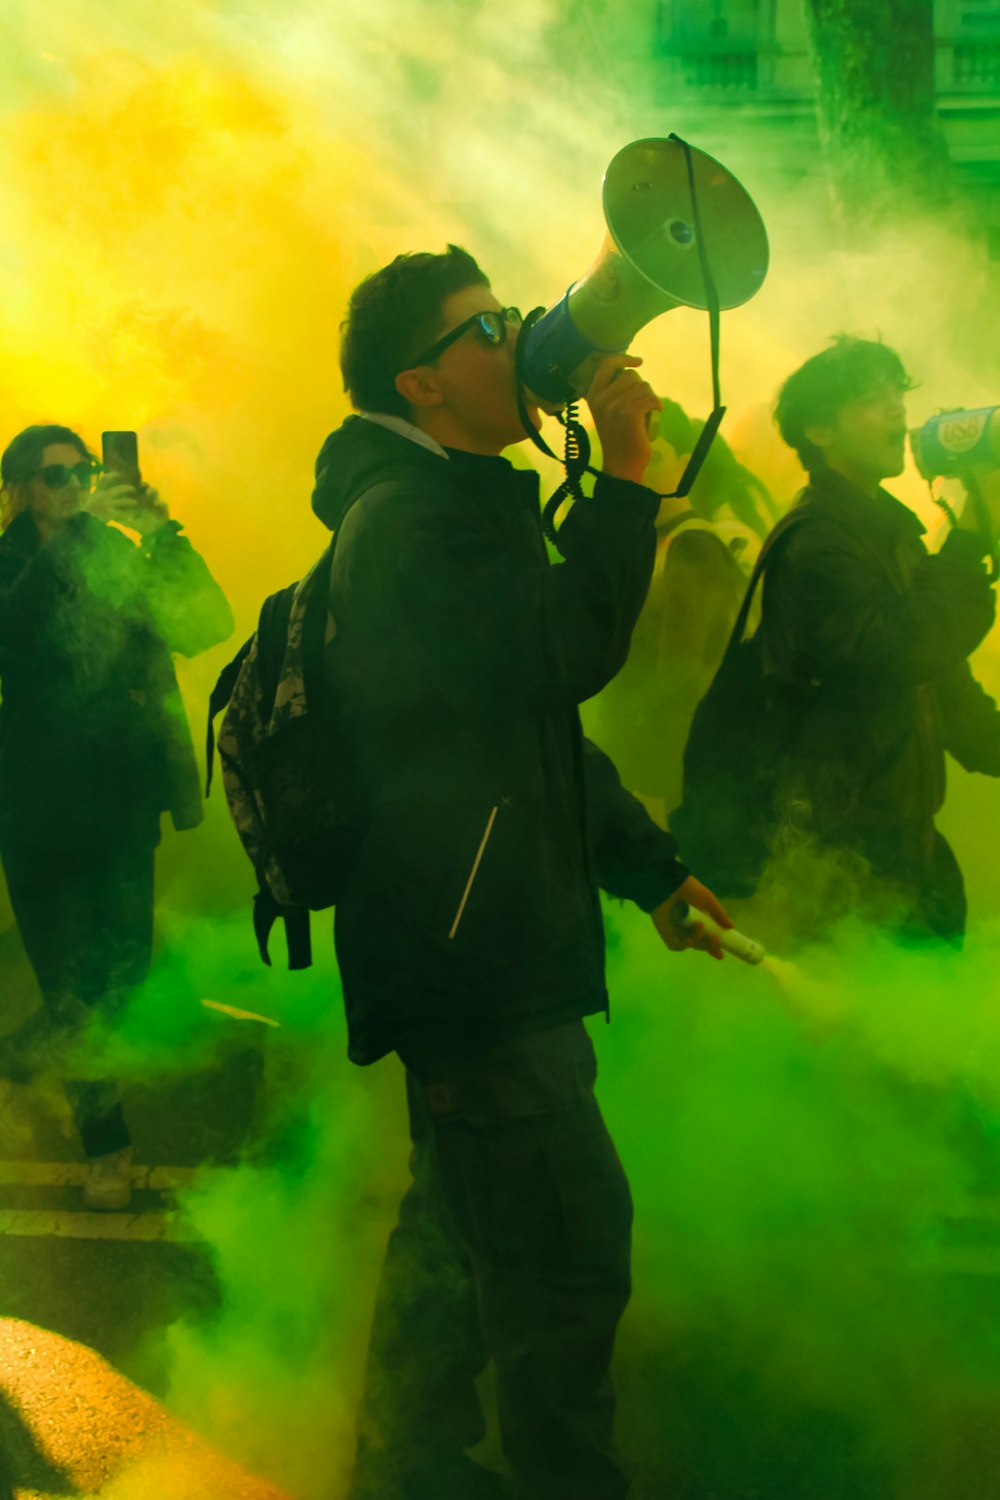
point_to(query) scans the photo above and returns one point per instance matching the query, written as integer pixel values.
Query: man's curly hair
(393, 315)
(848, 371)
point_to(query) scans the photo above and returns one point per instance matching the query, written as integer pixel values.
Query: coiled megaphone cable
(576, 453)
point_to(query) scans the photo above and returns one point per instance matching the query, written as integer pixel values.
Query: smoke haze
(189, 193)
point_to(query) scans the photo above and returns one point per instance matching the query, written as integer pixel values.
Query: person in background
(94, 746)
(469, 936)
(873, 634)
(705, 545)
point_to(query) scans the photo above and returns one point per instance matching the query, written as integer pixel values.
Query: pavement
(87, 1302)
(88, 1299)
(71, 1424)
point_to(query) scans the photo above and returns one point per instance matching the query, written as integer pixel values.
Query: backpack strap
(314, 627)
(267, 911)
(272, 626)
(220, 696)
(272, 633)
(788, 523)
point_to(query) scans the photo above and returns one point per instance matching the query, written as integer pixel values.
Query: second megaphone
(658, 195)
(954, 441)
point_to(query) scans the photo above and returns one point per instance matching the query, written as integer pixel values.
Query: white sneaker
(108, 1181)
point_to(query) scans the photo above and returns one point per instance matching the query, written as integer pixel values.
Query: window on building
(714, 43)
(731, 24)
(976, 64)
(979, 15)
(975, 38)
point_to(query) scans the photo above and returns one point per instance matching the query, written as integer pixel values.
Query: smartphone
(120, 454)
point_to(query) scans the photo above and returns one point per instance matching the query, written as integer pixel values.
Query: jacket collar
(485, 476)
(360, 453)
(882, 514)
(405, 429)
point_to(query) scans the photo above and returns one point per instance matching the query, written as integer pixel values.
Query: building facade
(754, 54)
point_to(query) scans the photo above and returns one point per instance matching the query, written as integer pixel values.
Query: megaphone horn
(658, 193)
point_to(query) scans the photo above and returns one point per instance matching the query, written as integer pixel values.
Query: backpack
(737, 752)
(291, 792)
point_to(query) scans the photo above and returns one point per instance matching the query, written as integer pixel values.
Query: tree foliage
(878, 123)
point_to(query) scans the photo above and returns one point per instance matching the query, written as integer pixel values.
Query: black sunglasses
(492, 325)
(58, 476)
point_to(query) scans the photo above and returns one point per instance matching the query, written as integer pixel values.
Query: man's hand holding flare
(699, 898)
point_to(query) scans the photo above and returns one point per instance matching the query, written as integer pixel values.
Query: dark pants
(513, 1242)
(87, 929)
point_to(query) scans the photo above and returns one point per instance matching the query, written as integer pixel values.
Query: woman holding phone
(94, 746)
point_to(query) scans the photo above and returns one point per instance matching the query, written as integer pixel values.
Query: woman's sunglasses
(492, 325)
(58, 476)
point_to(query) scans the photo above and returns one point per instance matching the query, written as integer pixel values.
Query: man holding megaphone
(884, 629)
(861, 659)
(469, 937)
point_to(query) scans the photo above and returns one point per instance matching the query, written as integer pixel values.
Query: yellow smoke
(189, 195)
(189, 192)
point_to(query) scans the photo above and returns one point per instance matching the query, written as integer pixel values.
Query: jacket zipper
(473, 872)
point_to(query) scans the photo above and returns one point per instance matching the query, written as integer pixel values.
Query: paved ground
(112, 1283)
(71, 1424)
(86, 1301)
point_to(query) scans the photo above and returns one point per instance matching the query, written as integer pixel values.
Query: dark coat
(875, 633)
(94, 742)
(459, 660)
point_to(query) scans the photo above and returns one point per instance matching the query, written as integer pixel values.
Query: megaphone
(671, 212)
(952, 442)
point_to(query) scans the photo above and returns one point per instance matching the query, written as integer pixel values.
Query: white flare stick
(736, 943)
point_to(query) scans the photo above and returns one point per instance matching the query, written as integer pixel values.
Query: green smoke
(803, 1162)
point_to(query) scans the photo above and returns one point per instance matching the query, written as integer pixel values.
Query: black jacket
(876, 631)
(94, 742)
(459, 660)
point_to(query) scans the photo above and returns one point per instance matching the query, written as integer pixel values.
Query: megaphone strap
(711, 290)
(711, 427)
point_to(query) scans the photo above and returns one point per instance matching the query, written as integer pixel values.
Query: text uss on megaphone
(957, 442)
